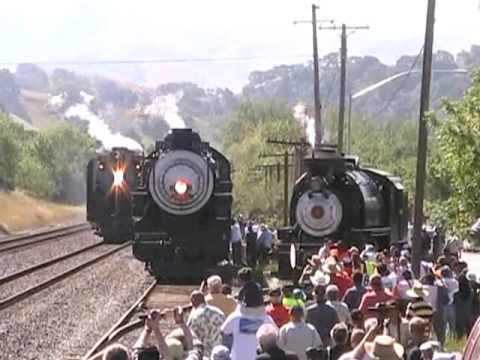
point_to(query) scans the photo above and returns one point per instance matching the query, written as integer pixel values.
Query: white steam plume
(98, 128)
(307, 122)
(166, 107)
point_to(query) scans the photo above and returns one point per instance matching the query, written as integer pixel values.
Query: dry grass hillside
(19, 211)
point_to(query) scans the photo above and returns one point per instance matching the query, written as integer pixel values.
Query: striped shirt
(420, 308)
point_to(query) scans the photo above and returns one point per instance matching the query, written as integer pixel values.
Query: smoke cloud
(98, 128)
(166, 107)
(307, 122)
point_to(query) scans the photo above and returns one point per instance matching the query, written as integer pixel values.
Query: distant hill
(145, 114)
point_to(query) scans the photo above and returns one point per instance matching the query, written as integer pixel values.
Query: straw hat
(331, 266)
(384, 347)
(417, 291)
(320, 278)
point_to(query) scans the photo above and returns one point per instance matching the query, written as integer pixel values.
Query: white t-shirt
(244, 330)
(389, 281)
(402, 288)
(297, 337)
(236, 234)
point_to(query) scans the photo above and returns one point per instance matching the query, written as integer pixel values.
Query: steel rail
(4, 303)
(41, 237)
(120, 322)
(45, 264)
(33, 233)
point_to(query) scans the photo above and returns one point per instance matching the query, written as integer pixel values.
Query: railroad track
(156, 296)
(24, 240)
(17, 297)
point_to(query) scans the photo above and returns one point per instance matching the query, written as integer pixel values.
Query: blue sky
(107, 29)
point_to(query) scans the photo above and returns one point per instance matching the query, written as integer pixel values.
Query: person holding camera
(178, 345)
(377, 294)
(205, 322)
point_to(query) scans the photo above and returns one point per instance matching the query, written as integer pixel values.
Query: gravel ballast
(15, 260)
(63, 321)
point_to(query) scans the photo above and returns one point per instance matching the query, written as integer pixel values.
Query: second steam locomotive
(112, 176)
(335, 198)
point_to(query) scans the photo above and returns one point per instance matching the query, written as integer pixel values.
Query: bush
(10, 153)
(48, 164)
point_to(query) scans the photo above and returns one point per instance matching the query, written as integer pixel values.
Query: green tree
(9, 152)
(51, 164)
(245, 138)
(458, 138)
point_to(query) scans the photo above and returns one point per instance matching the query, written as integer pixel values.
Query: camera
(149, 353)
(381, 309)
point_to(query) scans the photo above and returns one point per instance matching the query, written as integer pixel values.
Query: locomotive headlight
(181, 187)
(101, 166)
(118, 177)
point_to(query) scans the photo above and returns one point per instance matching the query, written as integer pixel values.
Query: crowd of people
(250, 242)
(346, 305)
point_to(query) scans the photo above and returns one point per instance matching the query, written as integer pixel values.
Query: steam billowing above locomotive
(183, 208)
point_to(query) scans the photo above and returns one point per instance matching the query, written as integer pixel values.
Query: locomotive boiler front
(187, 207)
(111, 178)
(181, 182)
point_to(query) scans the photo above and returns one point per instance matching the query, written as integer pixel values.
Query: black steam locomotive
(335, 198)
(183, 226)
(112, 176)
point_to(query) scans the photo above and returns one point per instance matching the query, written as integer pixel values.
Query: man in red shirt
(377, 294)
(276, 310)
(337, 275)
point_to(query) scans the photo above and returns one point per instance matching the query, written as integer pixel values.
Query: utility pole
(349, 143)
(316, 81)
(285, 189)
(422, 140)
(286, 167)
(343, 78)
(343, 73)
(316, 75)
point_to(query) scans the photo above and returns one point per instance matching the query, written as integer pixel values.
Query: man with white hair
(226, 303)
(267, 335)
(333, 299)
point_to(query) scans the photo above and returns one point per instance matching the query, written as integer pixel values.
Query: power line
(154, 60)
(400, 87)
